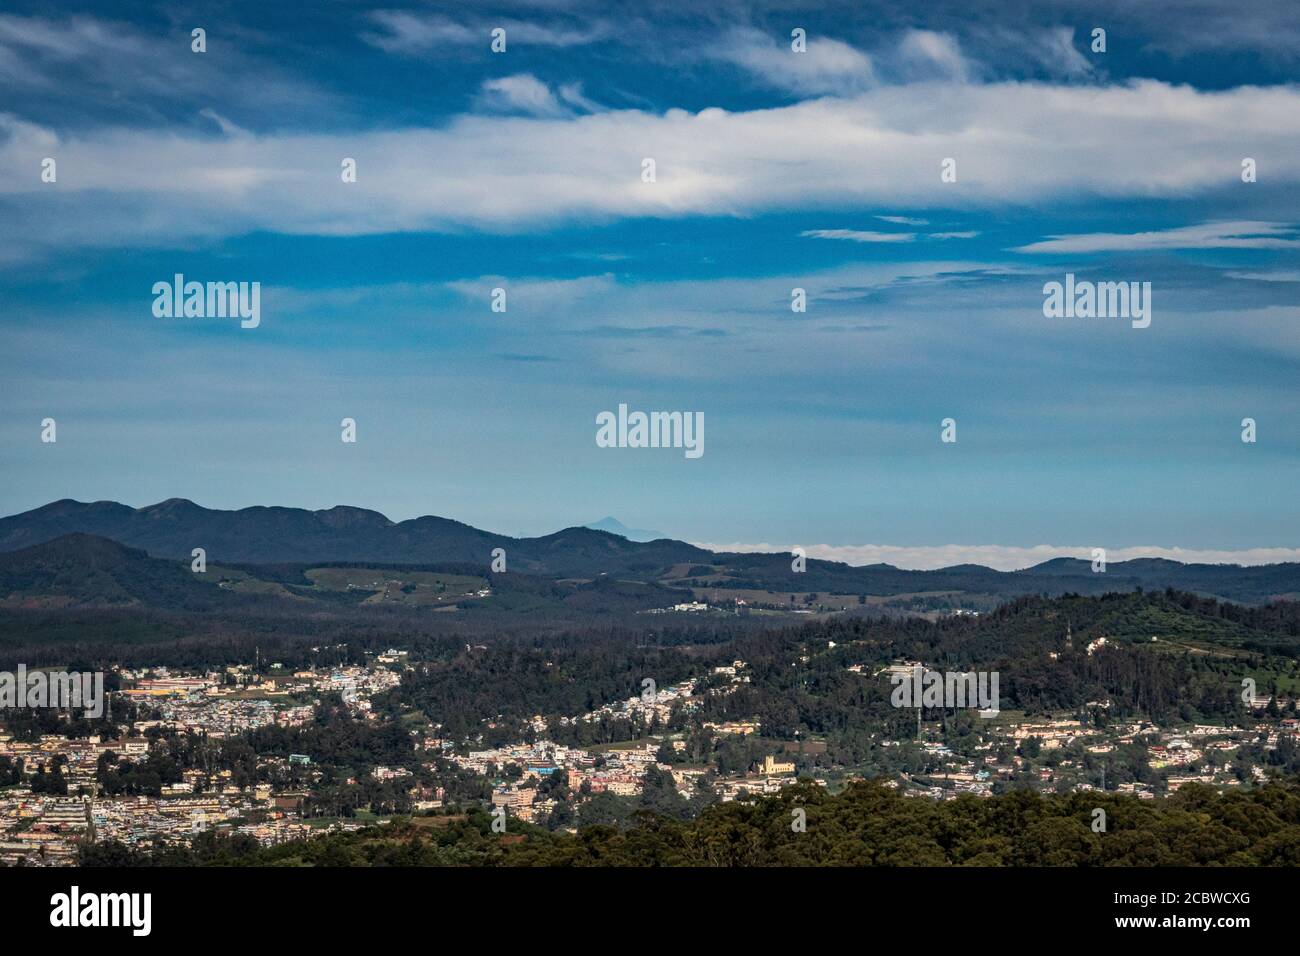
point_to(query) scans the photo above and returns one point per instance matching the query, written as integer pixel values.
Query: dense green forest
(866, 825)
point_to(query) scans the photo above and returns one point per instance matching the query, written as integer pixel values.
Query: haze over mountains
(614, 526)
(272, 535)
(277, 535)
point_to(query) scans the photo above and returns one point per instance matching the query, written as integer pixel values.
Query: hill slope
(81, 570)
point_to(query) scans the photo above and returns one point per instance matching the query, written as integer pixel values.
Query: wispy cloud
(827, 66)
(518, 357)
(1055, 51)
(525, 93)
(522, 93)
(404, 32)
(1277, 275)
(399, 31)
(1209, 235)
(857, 235)
(536, 293)
(927, 54)
(100, 70)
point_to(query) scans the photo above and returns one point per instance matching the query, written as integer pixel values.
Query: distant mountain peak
(80, 544)
(614, 526)
(346, 515)
(172, 505)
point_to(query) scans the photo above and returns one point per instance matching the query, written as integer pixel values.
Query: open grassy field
(414, 588)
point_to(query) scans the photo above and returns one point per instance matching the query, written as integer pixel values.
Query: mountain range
(273, 535)
(172, 529)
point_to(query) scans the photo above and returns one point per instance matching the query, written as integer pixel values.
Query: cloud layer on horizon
(1006, 557)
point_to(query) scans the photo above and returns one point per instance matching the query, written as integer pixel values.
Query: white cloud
(572, 94)
(1280, 275)
(1209, 235)
(402, 32)
(224, 125)
(827, 66)
(523, 93)
(1014, 142)
(1266, 28)
(1007, 557)
(1055, 50)
(927, 54)
(855, 235)
(538, 295)
(102, 69)
(903, 220)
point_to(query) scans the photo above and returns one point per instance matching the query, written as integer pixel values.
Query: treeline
(1040, 670)
(868, 824)
(286, 631)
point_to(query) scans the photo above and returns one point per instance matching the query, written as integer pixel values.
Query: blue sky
(775, 170)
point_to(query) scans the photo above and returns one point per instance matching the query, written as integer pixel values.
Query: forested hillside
(866, 825)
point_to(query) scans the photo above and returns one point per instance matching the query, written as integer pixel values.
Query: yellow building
(771, 766)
